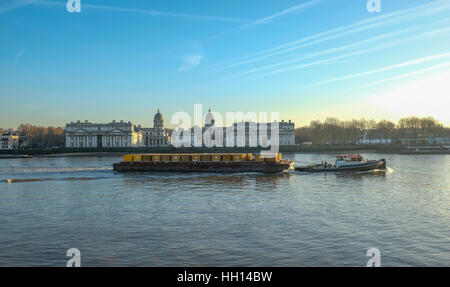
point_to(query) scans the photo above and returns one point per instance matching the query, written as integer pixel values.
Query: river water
(248, 219)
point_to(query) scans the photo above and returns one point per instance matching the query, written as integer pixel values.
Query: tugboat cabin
(343, 160)
(351, 158)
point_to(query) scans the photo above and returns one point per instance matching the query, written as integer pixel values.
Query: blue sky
(306, 60)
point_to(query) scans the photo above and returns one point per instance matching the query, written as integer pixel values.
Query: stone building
(9, 141)
(158, 136)
(242, 133)
(94, 135)
(117, 134)
(286, 133)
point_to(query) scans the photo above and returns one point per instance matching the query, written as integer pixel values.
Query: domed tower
(209, 119)
(158, 123)
(158, 120)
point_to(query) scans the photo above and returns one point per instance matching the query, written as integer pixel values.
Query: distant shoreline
(391, 149)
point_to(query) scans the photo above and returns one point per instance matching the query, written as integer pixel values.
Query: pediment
(79, 131)
(117, 131)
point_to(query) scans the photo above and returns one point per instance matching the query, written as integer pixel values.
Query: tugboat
(204, 162)
(346, 163)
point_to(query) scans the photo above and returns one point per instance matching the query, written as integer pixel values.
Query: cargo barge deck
(221, 163)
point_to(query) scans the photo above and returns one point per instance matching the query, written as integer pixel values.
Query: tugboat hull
(366, 166)
(227, 167)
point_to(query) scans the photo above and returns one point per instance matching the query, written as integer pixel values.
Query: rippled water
(170, 219)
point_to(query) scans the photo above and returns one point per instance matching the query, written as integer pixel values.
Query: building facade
(9, 141)
(94, 135)
(117, 134)
(158, 136)
(245, 134)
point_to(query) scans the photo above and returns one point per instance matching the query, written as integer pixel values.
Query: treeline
(41, 137)
(335, 131)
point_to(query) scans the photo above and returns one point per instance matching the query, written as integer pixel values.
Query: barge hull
(227, 167)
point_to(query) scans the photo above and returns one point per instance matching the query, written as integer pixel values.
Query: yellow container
(249, 156)
(240, 157)
(156, 157)
(185, 157)
(175, 157)
(227, 157)
(137, 157)
(216, 157)
(271, 159)
(195, 157)
(128, 158)
(146, 157)
(205, 157)
(267, 158)
(258, 157)
(165, 157)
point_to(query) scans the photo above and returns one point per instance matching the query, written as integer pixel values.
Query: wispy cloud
(371, 23)
(19, 55)
(190, 62)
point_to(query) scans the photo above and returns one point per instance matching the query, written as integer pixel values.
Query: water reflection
(361, 175)
(215, 181)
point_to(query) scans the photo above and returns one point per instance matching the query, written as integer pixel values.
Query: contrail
(16, 5)
(293, 9)
(328, 51)
(407, 75)
(161, 13)
(360, 52)
(287, 11)
(341, 48)
(19, 4)
(391, 18)
(383, 69)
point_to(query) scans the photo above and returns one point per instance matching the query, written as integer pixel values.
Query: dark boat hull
(376, 164)
(226, 166)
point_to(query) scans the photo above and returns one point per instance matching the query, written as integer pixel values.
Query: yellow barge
(204, 162)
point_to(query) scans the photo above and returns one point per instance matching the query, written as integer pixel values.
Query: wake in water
(53, 169)
(17, 180)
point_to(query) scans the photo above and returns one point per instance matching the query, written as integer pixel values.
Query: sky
(306, 59)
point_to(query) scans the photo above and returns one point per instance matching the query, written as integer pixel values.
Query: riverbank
(391, 149)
